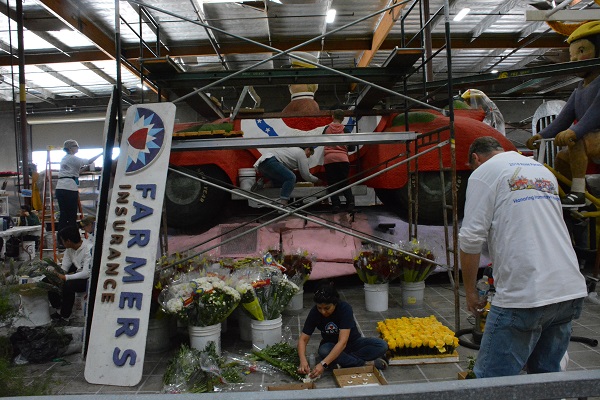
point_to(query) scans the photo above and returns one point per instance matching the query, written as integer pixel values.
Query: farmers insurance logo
(146, 141)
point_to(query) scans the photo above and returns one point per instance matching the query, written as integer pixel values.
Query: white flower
(175, 305)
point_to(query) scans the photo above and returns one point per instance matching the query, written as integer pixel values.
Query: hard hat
(70, 143)
(472, 93)
(301, 64)
(585, 30)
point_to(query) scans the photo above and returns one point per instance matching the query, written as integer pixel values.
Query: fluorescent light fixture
(461, 14)
(330, 16)
(143, 87)
(494, 71)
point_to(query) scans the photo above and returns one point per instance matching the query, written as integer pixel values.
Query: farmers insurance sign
(122, 305)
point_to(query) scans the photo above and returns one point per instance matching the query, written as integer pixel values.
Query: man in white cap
(67, 188)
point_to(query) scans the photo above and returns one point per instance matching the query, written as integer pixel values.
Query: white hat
(301, 64)
(70, 143)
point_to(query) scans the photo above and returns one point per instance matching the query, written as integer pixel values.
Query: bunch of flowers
(201, 301)
(297, 266)
(414, 269)
(417, 337)
(377, 264)
(172, 268)
(264, 290)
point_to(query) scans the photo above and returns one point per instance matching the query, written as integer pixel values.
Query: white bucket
(296, 304)
(266, 333)
(376, 296)
(159, 331)
(200, 336)
(79, 305)
(34, 311)
(27, 252)
(247, 178)
(412, 295)
(245, 323)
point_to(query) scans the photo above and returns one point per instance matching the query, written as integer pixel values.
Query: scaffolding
(163, 72)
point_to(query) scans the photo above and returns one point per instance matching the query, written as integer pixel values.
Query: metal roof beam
(66, 80)
(191, 49)
(489, 20)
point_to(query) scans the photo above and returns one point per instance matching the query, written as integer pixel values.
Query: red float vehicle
(190, 203)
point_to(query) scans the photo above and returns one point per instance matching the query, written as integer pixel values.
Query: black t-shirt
(341, 318)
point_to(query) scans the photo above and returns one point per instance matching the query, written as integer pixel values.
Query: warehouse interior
(62, 61)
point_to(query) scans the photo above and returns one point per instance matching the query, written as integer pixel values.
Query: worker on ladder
(67, 188)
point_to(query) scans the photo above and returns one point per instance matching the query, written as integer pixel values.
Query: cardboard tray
(358, 376)
(293, 386)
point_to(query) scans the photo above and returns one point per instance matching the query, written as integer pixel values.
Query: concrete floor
(439, 301)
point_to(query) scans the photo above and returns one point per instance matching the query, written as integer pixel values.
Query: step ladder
(48, 209)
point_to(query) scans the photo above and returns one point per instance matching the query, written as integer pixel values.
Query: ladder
(48, 209)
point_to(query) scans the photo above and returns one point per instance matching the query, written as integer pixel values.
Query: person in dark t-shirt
(341, 342)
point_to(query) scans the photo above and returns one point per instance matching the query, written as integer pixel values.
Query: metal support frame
(355, 139)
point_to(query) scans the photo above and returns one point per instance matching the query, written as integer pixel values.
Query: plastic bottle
(312, 360)
(483, 287)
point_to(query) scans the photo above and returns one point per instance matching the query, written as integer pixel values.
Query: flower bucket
(34, 311)
(27, 251)
(376, 296)
(266, 333)
(201, 335)
(412, 294)
(159, 331)
(296, 304)
(247, 178)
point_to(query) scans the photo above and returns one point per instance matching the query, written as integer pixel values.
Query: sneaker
(573, 199)
(259, 184)
(380, 364)
(60, 322)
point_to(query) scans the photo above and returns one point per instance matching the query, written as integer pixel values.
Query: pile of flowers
(413, 269)
(264, 290)
(377, 264)
(202, 301)
(408, 337)
(297, 266)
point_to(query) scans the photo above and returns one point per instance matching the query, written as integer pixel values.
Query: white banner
(120, 322)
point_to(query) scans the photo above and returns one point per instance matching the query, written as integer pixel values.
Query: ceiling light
(330, 16)
(494, 71)
(461, 14)
(143, 87)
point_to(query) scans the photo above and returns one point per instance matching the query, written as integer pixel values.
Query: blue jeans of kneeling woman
(280, 175)
(356, 352)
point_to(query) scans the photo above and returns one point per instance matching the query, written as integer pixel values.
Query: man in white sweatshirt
(512, 204)
(77, 261)
(278, 165)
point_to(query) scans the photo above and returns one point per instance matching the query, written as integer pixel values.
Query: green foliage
(282, 356)
(17, 382)
(413, 118)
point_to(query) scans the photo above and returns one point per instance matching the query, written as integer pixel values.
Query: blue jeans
(357, 352)
(280, 175)
(536, 337)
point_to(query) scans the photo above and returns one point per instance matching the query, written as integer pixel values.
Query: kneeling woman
(341, 343)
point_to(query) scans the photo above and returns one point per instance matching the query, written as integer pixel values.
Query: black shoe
(259, 184)
(335, 209)
(380, 364)
(573, 199)
(56, 316)
(350, 207)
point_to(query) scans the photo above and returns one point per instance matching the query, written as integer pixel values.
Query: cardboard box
(358, 376)
(293, 386)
